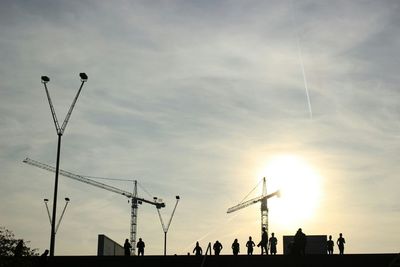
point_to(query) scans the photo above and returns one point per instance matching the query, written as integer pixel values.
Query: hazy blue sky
(197, 98)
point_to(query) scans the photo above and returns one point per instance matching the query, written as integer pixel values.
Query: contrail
(300, 52)
(304, 76)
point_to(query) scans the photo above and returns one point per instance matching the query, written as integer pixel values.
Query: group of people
(340, 243)
(265, 244)
(140, 246)
(296, 247)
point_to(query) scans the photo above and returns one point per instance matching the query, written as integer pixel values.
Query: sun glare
(299, 186)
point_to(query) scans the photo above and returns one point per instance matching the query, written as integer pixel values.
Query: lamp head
(46, 200)
(45, 79)
(177, 197)
(83, 76)
(67, 199)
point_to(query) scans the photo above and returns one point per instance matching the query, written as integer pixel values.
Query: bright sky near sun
(202, 99)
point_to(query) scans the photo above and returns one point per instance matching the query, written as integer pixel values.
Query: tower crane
(264, 208)
(135, 200)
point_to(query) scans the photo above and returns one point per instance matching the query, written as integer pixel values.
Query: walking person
(250, 245)
(198, 251)
(140, 245)
(217, 247)
(235, 247)
(127, 248)
(264, 242)
(272, 244)
(329, 245)
(340, 242)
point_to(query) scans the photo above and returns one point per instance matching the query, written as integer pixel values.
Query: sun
(300, 188)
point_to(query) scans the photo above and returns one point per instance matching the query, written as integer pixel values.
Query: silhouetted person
(19, 248)
(250, 245)
(235, 247)
(198, 251)
(43, 258)
(300, 242)
(127, 248)
(272, 244)
(264, 242)
(217, 247)
(340, 242)
(140, 245)
(329, 245)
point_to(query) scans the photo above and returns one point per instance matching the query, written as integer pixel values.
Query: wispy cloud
(190, 98)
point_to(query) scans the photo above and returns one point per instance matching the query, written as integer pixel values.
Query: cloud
(191, 98)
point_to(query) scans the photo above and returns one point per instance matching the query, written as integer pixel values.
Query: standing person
(272, 244)
(300, 242)
(43, 258)
(250, 245)
(217, 247)
(340, 242)
(264, 242)
(235, 247)
(19, 248)
(330, 245)
(140, 245)
(127, 248)
(197, 249)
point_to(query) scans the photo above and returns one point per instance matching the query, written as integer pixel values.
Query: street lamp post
(166, 227)
(67, 200)
(60, 131)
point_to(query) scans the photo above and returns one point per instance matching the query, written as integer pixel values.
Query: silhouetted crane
(264, 208)
(135, 200)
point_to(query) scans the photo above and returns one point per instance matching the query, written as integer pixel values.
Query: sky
(202, 99)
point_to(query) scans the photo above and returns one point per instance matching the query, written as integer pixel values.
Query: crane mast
(264, 207)
(135, 200)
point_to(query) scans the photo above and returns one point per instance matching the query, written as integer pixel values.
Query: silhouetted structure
(316, 244)
(340, 242)
(140, 245)
(329, 245)
(60, 132)
(300, 242)
(108, 247)
(235, 247)
(264, 242)
(127, 248)
(272, 244)
(250, 245)
(290, 248)
(198, 251)
(217, 247)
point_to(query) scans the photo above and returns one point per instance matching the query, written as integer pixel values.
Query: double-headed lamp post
(67, 200)
(60, 131)
(166, 227)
